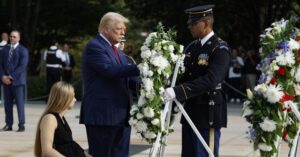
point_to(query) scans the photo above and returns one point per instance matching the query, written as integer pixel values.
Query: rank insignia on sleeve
(203, 59)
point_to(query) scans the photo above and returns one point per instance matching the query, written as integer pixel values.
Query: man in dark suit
(107, 77)
(69, 64)
(13, 65)
(206, 61)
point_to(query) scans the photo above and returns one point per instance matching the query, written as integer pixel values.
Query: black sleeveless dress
(63, 140)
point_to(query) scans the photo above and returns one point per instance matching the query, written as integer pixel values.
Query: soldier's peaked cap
(198, 12)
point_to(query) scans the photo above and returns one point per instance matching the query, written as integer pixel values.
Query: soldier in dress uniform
(206, 62)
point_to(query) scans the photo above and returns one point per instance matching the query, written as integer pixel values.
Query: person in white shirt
(55, 61)
(235, 76)
(4, 40)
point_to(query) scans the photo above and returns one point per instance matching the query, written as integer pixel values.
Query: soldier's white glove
(169, 94)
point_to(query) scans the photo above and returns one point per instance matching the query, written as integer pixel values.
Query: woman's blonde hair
(60, 97)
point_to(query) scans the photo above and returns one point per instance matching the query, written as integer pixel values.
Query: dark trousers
(16, 93)
(191, 145)
(67, 76)
(53, 76)
(108, 141)
(236, 83)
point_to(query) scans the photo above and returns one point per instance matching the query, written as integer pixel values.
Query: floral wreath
(159, 55)
(268, 107)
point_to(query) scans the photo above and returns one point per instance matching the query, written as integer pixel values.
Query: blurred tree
(75, 21)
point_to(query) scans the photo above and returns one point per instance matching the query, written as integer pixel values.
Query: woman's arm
(47, 127)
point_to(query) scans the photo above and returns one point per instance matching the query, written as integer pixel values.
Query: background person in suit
(69, 64)
(106, 80)
(206, 61)
(13, 65)
(4, 40)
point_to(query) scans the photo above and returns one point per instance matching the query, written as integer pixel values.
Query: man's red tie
(116, 52)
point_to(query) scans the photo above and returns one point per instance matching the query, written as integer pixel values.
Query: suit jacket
(105, 85)
(72, 61)
(17, 67)
(205, 67)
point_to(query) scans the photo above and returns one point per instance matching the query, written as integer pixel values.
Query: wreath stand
(293, 150)
(165, 122)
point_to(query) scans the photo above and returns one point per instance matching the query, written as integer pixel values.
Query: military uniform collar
(204, 40)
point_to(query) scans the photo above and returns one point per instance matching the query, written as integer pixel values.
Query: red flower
(284, 134)
(289, 109)
(283, 109)
(273, 81)
(298, 60)
(298, 52)
(281, 71)
(286, 97)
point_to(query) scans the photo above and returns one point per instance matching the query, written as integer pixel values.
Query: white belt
(53, 66)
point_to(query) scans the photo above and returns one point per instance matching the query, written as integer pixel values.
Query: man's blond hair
(109, 19)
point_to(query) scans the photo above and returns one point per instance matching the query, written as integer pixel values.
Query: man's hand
(169, 94)
(6, 80)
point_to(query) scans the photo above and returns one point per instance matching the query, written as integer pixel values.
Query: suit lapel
(109, 49)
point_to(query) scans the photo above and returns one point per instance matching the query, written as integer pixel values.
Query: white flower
(142, 101)
(264, 147)
(181, 48)
(247, 111)
(293, 44)
(159, 61)
(155, 121)
(157, 46)
(148, 84)
(134, 108)
(146, 54)
(149, 134)
(144, 68)
(269, 35)
(286, 58)
(141, 126)
(249, 94)
(274, 93)
(171, 48)
(268, 125)
(150, 73)
(260, 88)
(139, 116)
(144, 48)
(132, 121)
(161, 90)
(148, 112)
(297, 89)
(297, 74)
(174, 57)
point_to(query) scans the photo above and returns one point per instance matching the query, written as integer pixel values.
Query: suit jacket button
(190, 74)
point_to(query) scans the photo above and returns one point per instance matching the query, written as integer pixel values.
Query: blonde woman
(53, 135)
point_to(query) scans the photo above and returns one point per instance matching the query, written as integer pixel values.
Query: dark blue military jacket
(205, 69)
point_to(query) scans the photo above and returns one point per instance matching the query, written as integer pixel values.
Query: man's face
(116, 32)
(198, 29)
(66, 48)
(14, 37)
(4, 37)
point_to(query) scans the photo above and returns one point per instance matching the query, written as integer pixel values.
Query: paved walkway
(233, 141)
